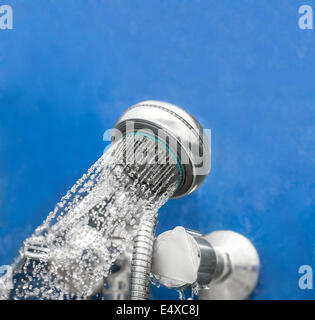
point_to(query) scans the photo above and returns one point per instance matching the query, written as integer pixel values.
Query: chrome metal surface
(239, 278)
(178, 129)
(208, 259)
(142, 259)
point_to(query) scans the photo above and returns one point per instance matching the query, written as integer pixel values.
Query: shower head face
(179, 131)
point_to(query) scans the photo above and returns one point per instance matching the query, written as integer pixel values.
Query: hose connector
(223, 265)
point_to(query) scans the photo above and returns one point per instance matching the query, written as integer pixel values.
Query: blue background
(70, 68)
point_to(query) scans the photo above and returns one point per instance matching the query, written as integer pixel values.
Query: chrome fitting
(223, 265)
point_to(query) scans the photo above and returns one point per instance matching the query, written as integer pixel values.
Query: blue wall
(69, 69)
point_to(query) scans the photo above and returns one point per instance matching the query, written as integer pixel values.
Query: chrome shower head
(178, 131)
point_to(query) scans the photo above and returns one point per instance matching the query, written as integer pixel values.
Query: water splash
(72, 251)
(192, 291)
(154, 282)
(181, 294)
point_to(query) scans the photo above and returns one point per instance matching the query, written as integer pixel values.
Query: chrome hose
(142, 258)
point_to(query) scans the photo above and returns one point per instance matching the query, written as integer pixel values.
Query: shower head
(180, 133)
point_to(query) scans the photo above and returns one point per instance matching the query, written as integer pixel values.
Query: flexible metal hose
(142, 258)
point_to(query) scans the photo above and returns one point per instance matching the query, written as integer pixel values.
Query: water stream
(71, 253)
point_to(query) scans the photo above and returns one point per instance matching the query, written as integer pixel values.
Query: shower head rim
(178, 124)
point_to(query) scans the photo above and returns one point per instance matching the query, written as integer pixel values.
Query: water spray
(158, 151)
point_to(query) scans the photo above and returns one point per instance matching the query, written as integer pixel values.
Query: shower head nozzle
(179, 131)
